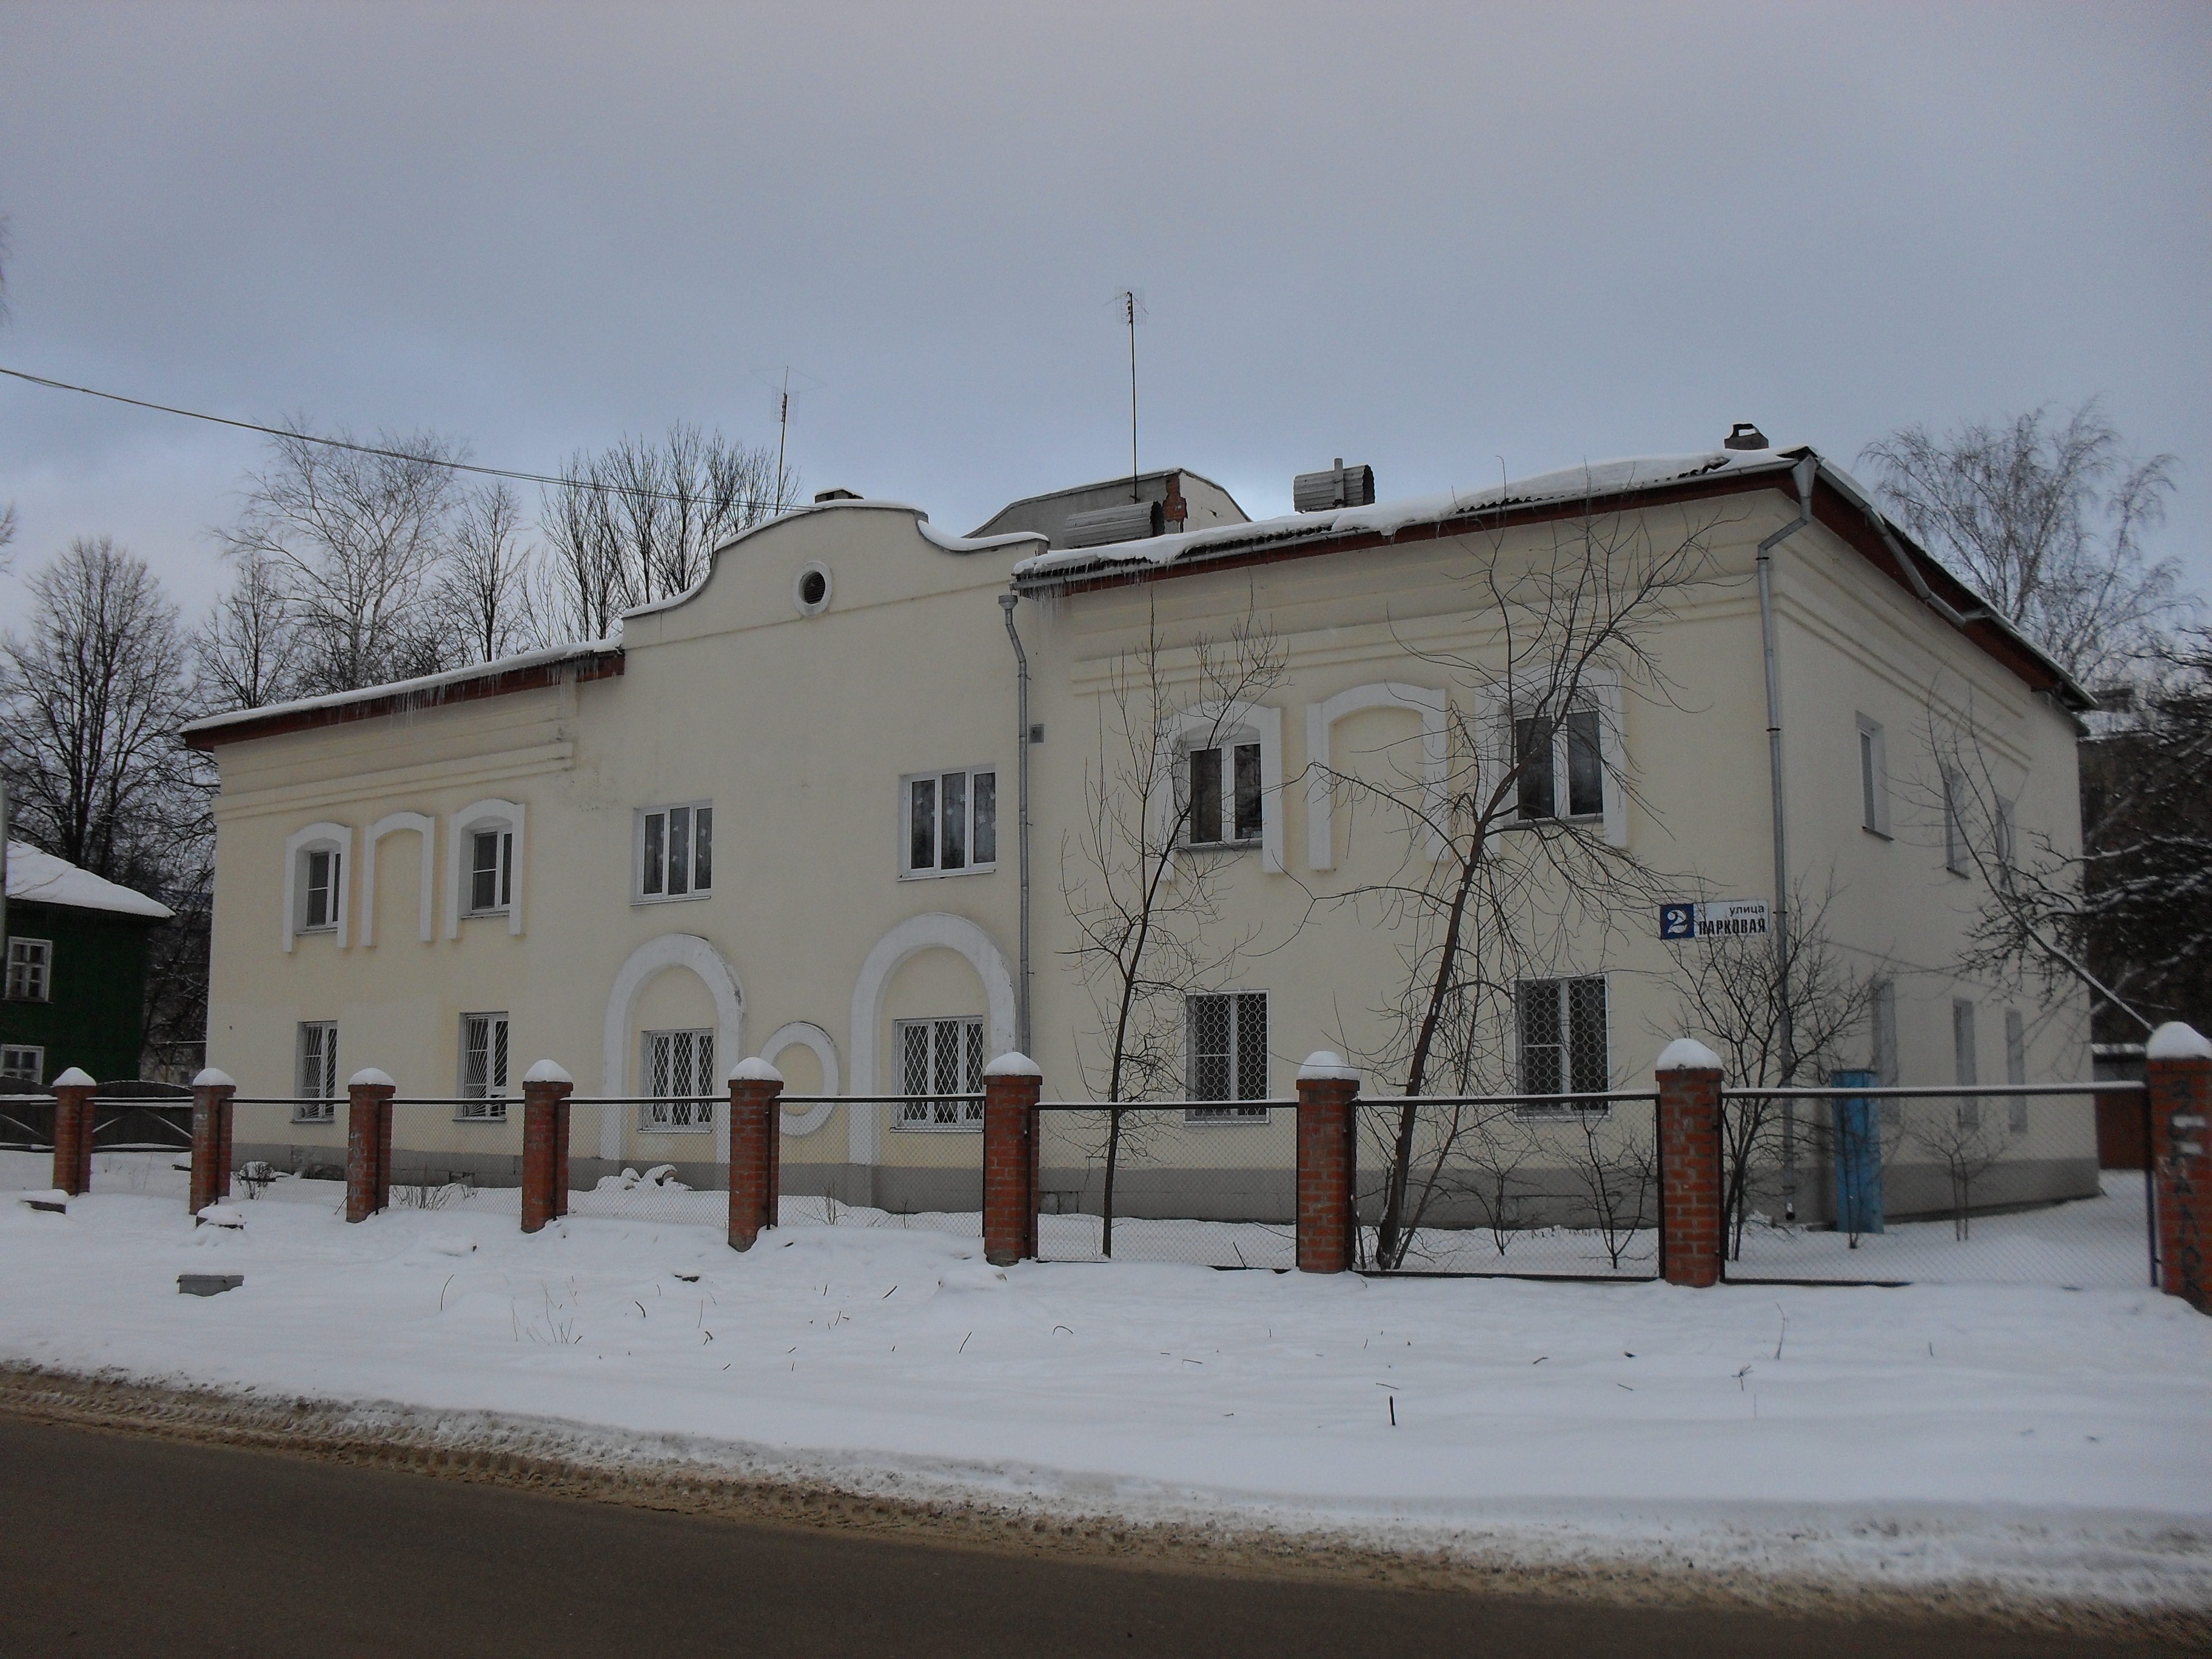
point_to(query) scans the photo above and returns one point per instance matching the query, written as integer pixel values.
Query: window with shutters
(483, 1068)
(1227, 1056)
(674, 854)
(317, 1076)
(937, 1059)
(949, 823)
(30, 969)
(1223, 795)
(678, 1069)
(1560, 1038)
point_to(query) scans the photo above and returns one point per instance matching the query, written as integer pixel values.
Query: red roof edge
(536, 677)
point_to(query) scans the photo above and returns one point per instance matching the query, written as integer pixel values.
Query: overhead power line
(369, 449)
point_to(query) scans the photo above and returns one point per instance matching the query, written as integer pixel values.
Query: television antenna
(1130, 303)
(780, 384)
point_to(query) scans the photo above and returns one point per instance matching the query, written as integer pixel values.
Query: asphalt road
(116, 1544)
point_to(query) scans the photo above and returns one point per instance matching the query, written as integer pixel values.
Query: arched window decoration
(1321, 719)
(317, 882)
(483, 864)
(1226, 761)
(425, 828)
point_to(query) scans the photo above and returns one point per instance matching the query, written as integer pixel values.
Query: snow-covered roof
(39, 877)
(424, 688)
(1387, 518)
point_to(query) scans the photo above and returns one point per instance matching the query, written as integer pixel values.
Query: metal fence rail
(1982, 1183)
(1514, 1185)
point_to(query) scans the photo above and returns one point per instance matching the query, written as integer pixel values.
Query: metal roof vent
(1128, 521)
(1744, 435)
(822, 495)
(1340, 486)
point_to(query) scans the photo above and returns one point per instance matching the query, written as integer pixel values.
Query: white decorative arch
(1227, 723)
(932, 931)
(339, 837)
(1602, 690)
(804, 1034)
(425, 883)
(656, 956)
(1321, 719)
(482, 815)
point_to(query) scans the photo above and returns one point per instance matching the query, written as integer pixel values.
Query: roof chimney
(1744, 435)
(1340, 486)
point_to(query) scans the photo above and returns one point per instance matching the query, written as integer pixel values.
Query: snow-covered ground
(2047, 1440)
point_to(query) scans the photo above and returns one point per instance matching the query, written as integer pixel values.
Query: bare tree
(1507, 872)
(483, 594)
(91, 695)
(2046, 521)
(247, 652)
(358, 540)
(1968, 1145)
(1769, 1028)
(1146, 904)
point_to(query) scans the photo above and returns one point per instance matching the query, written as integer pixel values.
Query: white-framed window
(1965, 1064)
(1226, 1051)
(678, 1068)
(2005, 836)
(674, 852)
(1224, 795)
(483, 1068)
(320, 868)
(1562, 766)
(1560, 1030)
(949, 821)
(30, 969)
(939, 1058)
(1874, 777)
(2016, 1069)
(317, 1072)
(491, 872)
(1955, 825)
(22, 1063)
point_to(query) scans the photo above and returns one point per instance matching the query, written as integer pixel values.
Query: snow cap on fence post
(754, 1069)
(211, 1079)
(1687, 1055)
(547, 1071)
(76, 1078)
(1326, 1066)
(369, 1077)
(1013, 1063)
(2177, 1040)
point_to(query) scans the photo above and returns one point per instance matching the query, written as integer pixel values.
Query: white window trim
(46, 973)
(1870, 752)
(805, 1034)
(338, 838)
(1956, 854)
(1602, 693)
(1223, 725)
(494, 1100)
(1321, 721)
(637, 893)
(966, 1124)
(905, 822)
(426, 881)
(38, 1053)
(648, 1098)
(321, 1106)
(459, 828)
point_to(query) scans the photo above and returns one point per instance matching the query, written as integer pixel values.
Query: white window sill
(1879, 834)
(483, 916)
(1588, 818)
(314, 1117)
(311, 932)
(1218, 846)
(670, 898)
(946, 875)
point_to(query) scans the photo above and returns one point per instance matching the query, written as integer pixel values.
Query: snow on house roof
(38, 877)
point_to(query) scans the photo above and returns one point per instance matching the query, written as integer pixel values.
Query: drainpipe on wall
(1006, 603)
(1803, 475)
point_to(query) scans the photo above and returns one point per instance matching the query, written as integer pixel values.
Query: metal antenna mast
(1129, 304)
(782, 431)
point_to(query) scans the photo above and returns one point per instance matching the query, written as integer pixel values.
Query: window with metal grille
(2016, 1068)
(317, 1072)
(22, 1064)
(491, 872)
(1224, 795)
(1965, 1061)
(30, 969)
(1227, 1050)
(675, 851)
(937, 1058)
(1561, 1030)
(951, 822)
(678, 1068)
(319, 899)
(1562, 770)
(484, 1067)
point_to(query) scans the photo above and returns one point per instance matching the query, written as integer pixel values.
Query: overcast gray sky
(1440, 239)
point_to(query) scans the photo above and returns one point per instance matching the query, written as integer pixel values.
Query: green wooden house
(77, 971)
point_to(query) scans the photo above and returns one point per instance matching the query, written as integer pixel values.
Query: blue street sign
(1678, 922)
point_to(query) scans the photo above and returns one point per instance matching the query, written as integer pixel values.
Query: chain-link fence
(1989, 1183)
(1524, 1186)
(1213, 1183)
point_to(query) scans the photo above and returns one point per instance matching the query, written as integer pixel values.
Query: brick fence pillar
(545, 1089)
(368, 1143)
(2177, 1072)
(73, 1092)
(1691, 1226)
(1328, 1231)
(755, 1139)
(1011, 1083)
(211, 1093)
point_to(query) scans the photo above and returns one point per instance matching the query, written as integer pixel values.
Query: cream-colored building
(782, 816)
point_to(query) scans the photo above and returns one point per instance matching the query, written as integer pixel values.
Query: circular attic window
(809, 590)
